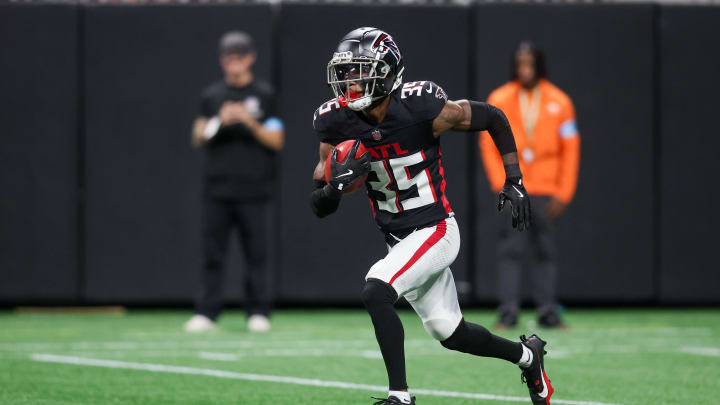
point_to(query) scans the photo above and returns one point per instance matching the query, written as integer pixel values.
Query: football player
(400, 125)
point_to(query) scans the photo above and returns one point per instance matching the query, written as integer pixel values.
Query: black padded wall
(689, 149)
(326, 260)
(602, 57)
(38, 153)
(97, 104)
(145, 70)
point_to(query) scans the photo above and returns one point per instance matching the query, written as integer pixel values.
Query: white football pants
(417, 267)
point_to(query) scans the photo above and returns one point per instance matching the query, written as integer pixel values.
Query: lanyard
(530, 111)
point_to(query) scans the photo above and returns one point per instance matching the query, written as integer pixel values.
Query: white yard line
(372, 354)
(558, 354)
(627, 330)
(238, 349)
(160, 368)
(702, 351)
(569, 346)
(200, 344)
(219, 356)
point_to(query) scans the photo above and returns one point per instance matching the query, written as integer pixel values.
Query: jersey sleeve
(323, 123)
(206, 105)
(271, 108)
(569, 154)
(271, 119)
(426, 98)
(568, 126)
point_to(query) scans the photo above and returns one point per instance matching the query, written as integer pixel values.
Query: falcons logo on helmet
(384, 44)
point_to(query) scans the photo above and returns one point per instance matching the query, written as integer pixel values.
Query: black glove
(345, 173)
(514, 192)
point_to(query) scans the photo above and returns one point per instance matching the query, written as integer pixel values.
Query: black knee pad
(463, 338)
(378, 292)
(454, 342)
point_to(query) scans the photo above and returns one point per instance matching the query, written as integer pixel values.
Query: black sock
(379, 299)
(475, 339)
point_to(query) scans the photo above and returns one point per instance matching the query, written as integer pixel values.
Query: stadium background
(101, 189)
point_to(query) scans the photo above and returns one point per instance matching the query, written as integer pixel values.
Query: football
(343, 151)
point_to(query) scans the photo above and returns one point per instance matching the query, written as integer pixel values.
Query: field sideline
(330, 357)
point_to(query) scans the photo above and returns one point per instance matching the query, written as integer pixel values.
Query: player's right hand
(514, 192)
(344, 173)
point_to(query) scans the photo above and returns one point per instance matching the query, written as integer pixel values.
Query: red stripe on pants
(440, 229)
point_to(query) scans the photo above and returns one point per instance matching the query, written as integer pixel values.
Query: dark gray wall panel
(38, 153)
(144, 70)
(602, 56)
(146, 67)
(327, 259)
(690, 143)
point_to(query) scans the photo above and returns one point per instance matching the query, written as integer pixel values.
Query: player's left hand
(514, 192)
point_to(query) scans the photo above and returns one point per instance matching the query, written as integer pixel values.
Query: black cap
(236, 42)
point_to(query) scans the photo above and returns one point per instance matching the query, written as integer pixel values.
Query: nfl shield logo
(376, 134)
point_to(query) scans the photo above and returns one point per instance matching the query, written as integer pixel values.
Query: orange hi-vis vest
(550, 154)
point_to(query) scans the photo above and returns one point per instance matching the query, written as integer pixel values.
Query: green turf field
(610, 357)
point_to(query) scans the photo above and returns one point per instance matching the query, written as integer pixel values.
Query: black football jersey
(237, 165)
(406, 183)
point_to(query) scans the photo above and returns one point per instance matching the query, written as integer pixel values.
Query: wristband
(328, 191)
(331, 192)
(325, 199)
(512, 171)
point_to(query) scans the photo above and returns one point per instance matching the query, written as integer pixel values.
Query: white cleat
(258, 323)
(199, 323)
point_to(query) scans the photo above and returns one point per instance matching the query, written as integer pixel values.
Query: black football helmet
(366, 66)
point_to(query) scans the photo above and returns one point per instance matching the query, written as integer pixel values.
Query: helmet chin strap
(376, 102)
(365, 103)
(360, 104)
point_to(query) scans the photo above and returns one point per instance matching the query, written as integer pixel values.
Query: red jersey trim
(445, 201)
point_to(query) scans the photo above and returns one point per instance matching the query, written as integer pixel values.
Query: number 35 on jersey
(394, 176)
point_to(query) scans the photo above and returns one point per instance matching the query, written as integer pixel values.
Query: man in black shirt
(241, 135)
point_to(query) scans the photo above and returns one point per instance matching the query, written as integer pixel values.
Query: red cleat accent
(550, 388)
